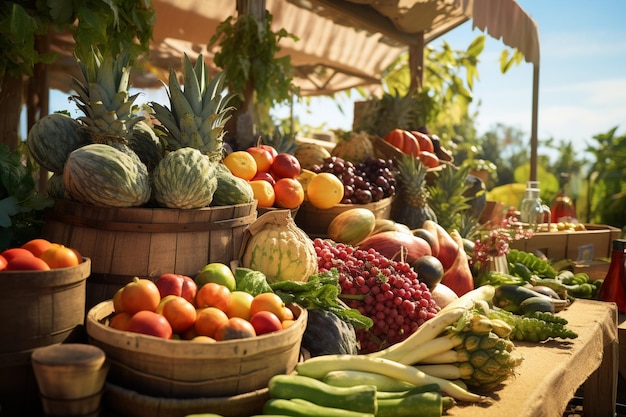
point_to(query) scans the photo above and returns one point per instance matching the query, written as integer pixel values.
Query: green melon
(185, 179)
(101, 175)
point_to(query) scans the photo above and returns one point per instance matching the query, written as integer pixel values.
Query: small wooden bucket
(184, 369)
(315, 221)
(146, 242)
(38, 308)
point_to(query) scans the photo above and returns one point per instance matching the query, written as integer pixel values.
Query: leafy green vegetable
(251, 281)
(321, 291)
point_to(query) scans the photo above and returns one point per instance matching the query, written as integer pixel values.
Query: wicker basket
(146, 242)
(129, 403)
(183, 369)
(315, 221)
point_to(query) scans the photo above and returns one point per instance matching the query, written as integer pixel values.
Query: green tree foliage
(111, 25)
(607, 200)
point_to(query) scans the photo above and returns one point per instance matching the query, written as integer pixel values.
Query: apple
(262, 157)
(265, 176)
(140, 294)
(177, 284)
(272, 150)
(150, 323)
(26, 263)
(285, 166)
(265, 322)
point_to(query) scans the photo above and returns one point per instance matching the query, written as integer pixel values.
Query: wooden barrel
(146, 242)
(37, 308)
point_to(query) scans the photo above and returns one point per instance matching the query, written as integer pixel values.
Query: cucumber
(348, 378)
(361, 398)
(298, 407)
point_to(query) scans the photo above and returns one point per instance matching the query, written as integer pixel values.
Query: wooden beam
(416, 63)
(363, 16)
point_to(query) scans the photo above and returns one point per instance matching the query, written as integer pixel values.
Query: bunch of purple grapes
(384, 290)
(365, 182)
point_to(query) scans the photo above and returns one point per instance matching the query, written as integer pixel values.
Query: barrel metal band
(152, 227)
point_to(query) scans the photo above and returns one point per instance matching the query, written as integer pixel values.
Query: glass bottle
(532, 210)
(613, 288)
(563, 208)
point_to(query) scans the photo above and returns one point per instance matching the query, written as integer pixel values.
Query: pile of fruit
(206, 308)
(39, 255)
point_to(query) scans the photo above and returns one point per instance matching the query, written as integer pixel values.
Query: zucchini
(429, 404)
(510, 297)
(361, 398)
(298, 407)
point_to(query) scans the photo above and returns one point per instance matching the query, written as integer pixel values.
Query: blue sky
(582, 75)
(582, 80)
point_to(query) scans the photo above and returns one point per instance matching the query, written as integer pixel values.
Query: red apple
(26, 263)
(262, 157)
(265, 176)
(150, 323)
(3, 263)
(265, 322)
(177, 284)
(285, 166)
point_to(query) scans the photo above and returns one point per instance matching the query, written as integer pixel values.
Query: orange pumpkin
(426, 144)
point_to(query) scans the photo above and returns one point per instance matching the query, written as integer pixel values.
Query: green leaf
(8, 207)
(250, 281)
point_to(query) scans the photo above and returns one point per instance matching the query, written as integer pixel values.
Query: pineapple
(449, 200)
(413, 208)
(104, 99)
(198, 112)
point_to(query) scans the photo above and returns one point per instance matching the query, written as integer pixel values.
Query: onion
(398, 246)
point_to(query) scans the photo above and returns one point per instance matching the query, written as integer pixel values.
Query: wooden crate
(182, 369)
(584, 245)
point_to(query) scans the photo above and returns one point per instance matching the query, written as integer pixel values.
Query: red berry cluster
(384, 290)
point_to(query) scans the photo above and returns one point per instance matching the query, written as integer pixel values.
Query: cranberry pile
(386, 291)
(366, 182)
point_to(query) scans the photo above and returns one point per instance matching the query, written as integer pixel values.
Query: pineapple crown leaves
(198, 112)
(103, 97)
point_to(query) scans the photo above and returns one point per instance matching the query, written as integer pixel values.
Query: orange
(242, 164)
(325, 190)
(305, 177)
(263, 193)
(289, 193)
(208, 320)
(268, 301)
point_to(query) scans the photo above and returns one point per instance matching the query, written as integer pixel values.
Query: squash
(275, 246)
(356, 148)
(52, 138)
(352, 226)
(311, 154)
(326, 334)
(185, 179)
(231, 189)
(101, 175)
